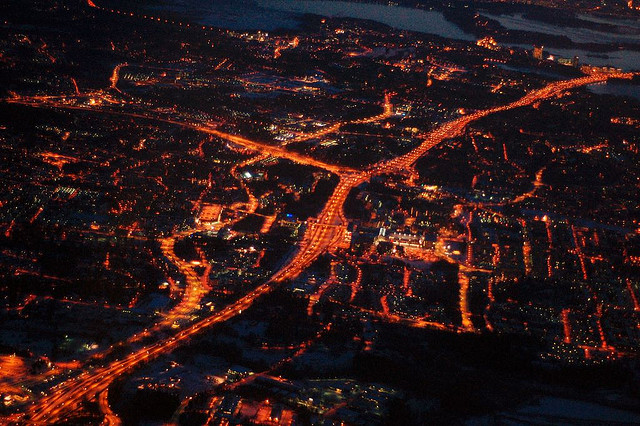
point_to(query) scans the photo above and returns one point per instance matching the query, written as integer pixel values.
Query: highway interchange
(323, 233)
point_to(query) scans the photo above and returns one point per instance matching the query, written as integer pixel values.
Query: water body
(626, 60)
(233, 14)
(630, 23)
(617, 89)
(531, 70)
(403, 18)
(577, 35)
(269, 15)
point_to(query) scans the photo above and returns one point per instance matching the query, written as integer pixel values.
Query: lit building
(538, 52)
(209, 214)
(570, 62)
(488, 43)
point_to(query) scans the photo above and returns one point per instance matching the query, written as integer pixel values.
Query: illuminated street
(319, 213)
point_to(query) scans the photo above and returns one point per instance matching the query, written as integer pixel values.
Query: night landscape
(281, 212)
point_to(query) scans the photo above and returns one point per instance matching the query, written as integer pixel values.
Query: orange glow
(324, 233)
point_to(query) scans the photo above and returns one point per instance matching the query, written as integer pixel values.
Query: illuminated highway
(252, 202)
(319, 237)
(110, 418)
(323, 233)
(195, 287)
(115, 76)
(455, 128)
(275, 151)
(386, 113)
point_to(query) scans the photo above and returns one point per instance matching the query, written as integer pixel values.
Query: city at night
(319, 212)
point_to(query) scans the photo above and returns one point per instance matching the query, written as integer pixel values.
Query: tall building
(538, 51)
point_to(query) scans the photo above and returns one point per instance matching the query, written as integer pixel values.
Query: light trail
(384, 303)
(315, 297)
(406, 282)
(566, 325)
(115, 76)
(110, 418)
(195, 287)
(357, 283)
(252, 203)
(465, 315)
(634, 298)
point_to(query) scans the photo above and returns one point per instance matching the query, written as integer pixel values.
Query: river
(626, 60)
(617, 89)
(403, 18)
(269, 15)
(577, 35)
